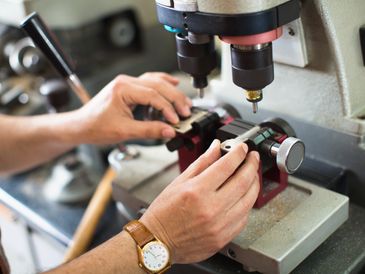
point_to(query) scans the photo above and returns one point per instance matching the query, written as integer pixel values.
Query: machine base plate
(278, 236)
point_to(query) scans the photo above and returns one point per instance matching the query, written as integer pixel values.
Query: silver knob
(289, 154)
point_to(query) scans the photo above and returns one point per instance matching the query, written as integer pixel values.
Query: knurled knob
(290, 155)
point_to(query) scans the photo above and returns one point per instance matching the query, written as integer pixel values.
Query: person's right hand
(108, 118)
(207, 205)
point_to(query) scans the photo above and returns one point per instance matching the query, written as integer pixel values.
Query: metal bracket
(185, 126)
(291, 49)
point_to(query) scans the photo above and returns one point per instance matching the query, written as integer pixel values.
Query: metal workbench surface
(23, 194)
(342, 252)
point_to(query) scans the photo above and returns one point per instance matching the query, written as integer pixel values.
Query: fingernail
(174, 118)
(214, 144)
(256, 154)
(189, 102)
(168, 132)
(175, 79)
(186, 111)
(245, 147)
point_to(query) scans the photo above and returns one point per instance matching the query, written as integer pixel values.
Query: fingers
(204, 161)
(236, 218)
(165, 76)
(218, 173)
(172, 94)
(136, 94)
(241, 181)
(236, 227)
(150, 130)
(163, 83)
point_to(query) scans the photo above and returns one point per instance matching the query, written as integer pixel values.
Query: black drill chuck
(252, 67)
(198, 60)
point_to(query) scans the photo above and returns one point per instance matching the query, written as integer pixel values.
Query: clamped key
(281, 153)
(194, 135)
(289, 154)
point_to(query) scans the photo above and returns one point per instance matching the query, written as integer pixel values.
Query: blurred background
(104, 39)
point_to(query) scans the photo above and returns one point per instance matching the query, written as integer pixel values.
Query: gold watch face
(155, 256)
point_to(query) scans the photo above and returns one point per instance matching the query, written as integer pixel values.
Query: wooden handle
(86, 229)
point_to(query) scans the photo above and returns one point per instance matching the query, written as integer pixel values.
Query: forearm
(118, 255)
(26, 142)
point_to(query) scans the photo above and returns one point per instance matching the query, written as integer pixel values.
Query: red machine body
(192, 144)
(272, 182)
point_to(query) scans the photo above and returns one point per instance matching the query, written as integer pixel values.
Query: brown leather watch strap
(139, 232)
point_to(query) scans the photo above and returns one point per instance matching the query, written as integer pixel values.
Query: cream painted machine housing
(330, 90)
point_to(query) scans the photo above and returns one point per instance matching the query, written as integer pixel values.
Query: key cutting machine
(317, 49)
(280, 151)
(288, 213)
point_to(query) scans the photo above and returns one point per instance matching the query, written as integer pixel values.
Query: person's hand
(204, 208)
(108, 118)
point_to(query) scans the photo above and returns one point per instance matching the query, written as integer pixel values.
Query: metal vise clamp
(281, 153)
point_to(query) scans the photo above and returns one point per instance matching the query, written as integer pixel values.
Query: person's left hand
(207, 205)
(108, 118)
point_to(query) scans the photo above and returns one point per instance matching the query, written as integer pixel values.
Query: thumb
(151, 130)
(204, 161)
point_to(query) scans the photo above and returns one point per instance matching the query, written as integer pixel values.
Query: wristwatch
(153, 255)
